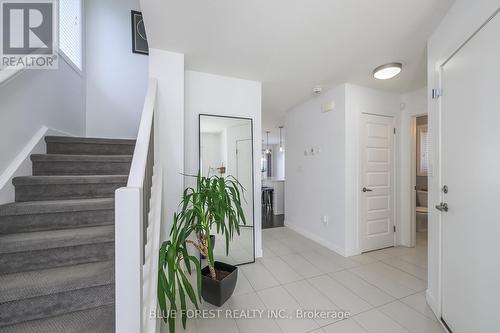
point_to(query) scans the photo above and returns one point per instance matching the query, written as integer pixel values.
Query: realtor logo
(29, 34)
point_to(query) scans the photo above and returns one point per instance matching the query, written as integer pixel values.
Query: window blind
(70, 30)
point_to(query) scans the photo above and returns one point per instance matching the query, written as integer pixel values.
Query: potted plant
(214, 205)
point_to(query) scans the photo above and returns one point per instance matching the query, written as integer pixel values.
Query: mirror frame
(253, 173)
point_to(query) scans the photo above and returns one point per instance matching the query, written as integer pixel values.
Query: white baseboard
(21, 165)
(258, 253)
(317, 239)
(432, 302)
(353, 252)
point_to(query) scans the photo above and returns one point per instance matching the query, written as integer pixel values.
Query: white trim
(320, 240)
(21, 164)
(413, 183)
(439, 303)
(413, 175)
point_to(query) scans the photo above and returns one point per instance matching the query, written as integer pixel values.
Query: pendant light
(281, 141)
(268, 151)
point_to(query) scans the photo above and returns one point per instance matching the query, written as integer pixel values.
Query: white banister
(137, 228)
(138, 167)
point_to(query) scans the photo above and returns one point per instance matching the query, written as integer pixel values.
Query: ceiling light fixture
(387, 71)
(268, 151)
(281, 141)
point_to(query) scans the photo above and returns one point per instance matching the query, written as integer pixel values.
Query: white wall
(327, 183)
(315, 183)
(462, 20)
(36, 98)
(219, 95)
(116, 77)
(168, 69)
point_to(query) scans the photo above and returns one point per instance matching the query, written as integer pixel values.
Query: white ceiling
(293, 45)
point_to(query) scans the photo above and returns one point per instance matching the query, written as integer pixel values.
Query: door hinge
(394, 130)
(436, 93)
(394, 228)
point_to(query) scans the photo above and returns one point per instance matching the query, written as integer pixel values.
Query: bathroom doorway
(420, 172)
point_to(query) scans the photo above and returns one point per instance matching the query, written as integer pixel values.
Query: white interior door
(470, 165)
(376, 225)
(244, 175)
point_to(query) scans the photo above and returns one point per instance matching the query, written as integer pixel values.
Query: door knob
(367, 189)
(442, 207)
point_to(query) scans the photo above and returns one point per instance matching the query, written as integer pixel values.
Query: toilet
(421, 211)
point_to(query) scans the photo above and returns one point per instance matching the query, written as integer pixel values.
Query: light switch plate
(327, 107)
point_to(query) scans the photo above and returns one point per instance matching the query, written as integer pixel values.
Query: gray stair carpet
(56, 164)
(57, 238)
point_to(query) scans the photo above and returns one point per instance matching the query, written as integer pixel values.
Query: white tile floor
(383, 290)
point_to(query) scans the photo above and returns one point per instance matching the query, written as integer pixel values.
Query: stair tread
(81, 158)
(40, 180)
(74, 139)
(96, 320)
(41, 240)
(55, 206)
(18, 286)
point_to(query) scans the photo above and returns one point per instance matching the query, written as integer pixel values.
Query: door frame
(394, 177)
(413, 175)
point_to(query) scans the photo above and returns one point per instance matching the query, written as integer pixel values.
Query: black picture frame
(253, 174)
(139, 43)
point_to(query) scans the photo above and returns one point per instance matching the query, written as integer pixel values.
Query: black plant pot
(218, 292)
(212, 245)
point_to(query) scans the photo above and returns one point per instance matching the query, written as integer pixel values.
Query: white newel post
(128, 259)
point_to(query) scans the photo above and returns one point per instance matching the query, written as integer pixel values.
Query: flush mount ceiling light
(387, 71)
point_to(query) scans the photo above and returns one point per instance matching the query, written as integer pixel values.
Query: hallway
(383, 290)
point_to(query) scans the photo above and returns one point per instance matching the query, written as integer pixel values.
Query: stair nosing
(69, 179)
(67, 238)
(51, 322)
(81, 158)
(56, 206)
(31, 287)
(84, 140)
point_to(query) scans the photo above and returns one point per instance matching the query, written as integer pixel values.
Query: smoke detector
(317, 90)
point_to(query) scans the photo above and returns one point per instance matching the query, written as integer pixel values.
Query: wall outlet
(324, 219)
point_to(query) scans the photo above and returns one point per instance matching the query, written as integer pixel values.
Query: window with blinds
(70, 31)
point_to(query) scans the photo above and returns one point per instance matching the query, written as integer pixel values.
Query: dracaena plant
(213, 205)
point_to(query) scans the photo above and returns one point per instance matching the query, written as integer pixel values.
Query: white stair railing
(137, 231)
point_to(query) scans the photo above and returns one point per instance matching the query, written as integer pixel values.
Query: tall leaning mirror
(226, 149)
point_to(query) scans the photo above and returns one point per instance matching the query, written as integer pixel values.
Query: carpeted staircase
(57, 238)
